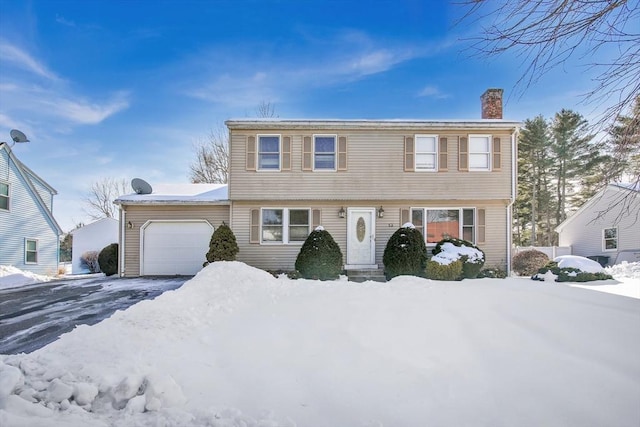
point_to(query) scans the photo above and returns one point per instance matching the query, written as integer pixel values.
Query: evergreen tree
(223, 245)
(320, 256)
(66, 246)
(624, 146)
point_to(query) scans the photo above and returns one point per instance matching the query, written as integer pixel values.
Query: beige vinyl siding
(375, 170)
(140, 214)
(283, 256)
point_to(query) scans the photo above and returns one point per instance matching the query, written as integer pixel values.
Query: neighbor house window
(479, 152)
(438, 224)
(285, 225)
(4, 196)
(31, 251)
(610, 239)
(426, 152)
(324, 152)
(269, 152)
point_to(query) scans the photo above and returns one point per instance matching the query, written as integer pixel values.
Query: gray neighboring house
(607, 227)
(29, 234)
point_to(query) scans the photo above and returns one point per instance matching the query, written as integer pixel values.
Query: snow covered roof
(634, 186)
(165, 194)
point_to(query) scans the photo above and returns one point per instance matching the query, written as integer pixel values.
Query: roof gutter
(255, 124)
(514, 178)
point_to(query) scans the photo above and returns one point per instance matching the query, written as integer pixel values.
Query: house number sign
(361, 228)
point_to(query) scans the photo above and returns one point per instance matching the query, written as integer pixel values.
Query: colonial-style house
(361, 180)
(29, 234)
(607, 227)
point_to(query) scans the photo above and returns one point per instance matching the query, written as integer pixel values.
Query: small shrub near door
(449, 272)
(89, 260)
(472, 257)
(108, 259)
(527, 263)
(320, 256)
(405, 253)
(223, 245)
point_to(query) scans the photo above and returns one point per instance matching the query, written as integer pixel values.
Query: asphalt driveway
(32, 316)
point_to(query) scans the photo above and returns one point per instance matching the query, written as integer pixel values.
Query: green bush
(471, 266)
(223, 245)
(405, 253)
(569, 274)
(437, 271)
(492, 273)
(320, 257)
(108, 259)
(528, 262)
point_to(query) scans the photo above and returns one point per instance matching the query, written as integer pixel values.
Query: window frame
(604, 239)
(7, 196)
(435, 153)
(461, 226)
(27, 251)
(488, 154)
(259, 153)
(335, 152)
(286, 225)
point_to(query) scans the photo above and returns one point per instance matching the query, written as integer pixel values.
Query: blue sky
(125, 89)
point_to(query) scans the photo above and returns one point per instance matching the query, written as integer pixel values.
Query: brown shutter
(404, 216)
(342, 153)
(409, 154)
(251, 153)
(315, 218)
(307, 154)
(463, 163)
(497, 154)
(286, 153)
(481, 226)
(254, 234)
(443, 155)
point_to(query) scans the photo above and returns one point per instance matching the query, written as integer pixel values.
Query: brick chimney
(492, 104)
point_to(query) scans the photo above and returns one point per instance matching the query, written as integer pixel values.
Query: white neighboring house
(92, 237)
(608, 225)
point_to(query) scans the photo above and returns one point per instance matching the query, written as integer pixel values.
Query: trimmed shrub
(320, 256)
(569, 274)
(223, 245)
(405, 253)
(472, 257)
(89, 260)
(492, 273)
(108, 259)
(528, 262)
(449, 272)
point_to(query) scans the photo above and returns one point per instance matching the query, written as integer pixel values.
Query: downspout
(514, 175)
(122, 239)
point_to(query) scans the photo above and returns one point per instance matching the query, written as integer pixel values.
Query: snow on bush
(581, 263)
(449, 250)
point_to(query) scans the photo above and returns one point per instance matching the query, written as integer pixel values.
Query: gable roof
(94, 224)
(179, 194)
(28, 176)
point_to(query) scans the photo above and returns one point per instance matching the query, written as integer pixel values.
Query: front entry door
(361, 237)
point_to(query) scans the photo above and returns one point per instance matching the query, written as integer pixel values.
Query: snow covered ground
(11, 277)
(236, 347)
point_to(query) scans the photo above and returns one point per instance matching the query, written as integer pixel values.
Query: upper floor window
(479, 152)
(284, 225)
(30, 251)
(438, 224)
(4, 196)
(324, 152)
(610, 239)
(269, 152)
(426, 152)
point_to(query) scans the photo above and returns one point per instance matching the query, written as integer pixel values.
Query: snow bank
(235, 346)
(581, 263)
(11, 277)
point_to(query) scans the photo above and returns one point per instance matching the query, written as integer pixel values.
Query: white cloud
(84, 112)
(62, 20)
(432, 92)
(18, 57)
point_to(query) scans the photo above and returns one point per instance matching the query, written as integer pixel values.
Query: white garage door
(177, 247)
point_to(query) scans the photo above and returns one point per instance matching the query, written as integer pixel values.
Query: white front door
(361, 238)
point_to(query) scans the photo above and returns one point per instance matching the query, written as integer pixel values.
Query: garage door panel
(171, 248)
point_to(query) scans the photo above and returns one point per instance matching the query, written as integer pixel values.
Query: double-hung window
(610, 239)
(426, 152)
(30, 251)
(285, 225)
(479, 152)
(4, 196)
(269, 152)
(324, 152)
(438, 224)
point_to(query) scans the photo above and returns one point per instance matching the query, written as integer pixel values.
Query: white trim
(8, 196)
(435, 153)
(122, 239)
(488, 153)
(27, 239)
(604, 243)
(460, 209)
(285, 226)
(372, 237)
(335, 152)
(258, 169)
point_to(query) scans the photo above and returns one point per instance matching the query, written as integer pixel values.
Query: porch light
(341, 212)
(129, 225)
(380, 212)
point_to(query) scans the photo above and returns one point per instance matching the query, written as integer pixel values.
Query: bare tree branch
(266, 109)
(101, 196)
(212, 158)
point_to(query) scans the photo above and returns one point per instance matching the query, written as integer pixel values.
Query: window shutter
(443, 155)
(409, 155)
(497, 154)
(251, 153)
(481, 225)
(463, 155)
(342, 153)
(286, 153)
(307, 154)
(315, 218)
(404, 216)
(254, 234)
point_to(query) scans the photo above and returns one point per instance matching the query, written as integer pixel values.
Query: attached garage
(174, 247)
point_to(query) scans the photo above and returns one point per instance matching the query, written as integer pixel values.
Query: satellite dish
(17, 136)
(141, 186)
